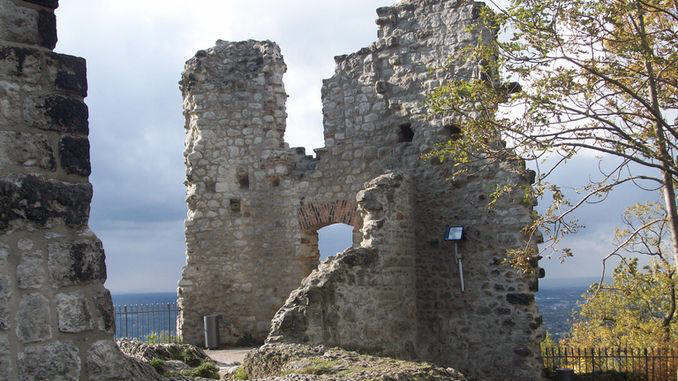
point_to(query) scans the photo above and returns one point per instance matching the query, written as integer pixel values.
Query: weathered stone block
(27, 25)
(5, 287)
(47, 29)
(30, 273)
(69, 73)
(72, 313)
(18, 24)
(11, 105)
(54, 361)
(33, 319)
(22, 63)
(57, 113)
(5, 295)
(74, 155)
(26, 150)
(36, 200)
(53, 4)
(79, 262)
(5, 358)
(103, 303)
(521, 299)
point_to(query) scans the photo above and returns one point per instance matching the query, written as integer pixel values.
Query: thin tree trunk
(669, 191)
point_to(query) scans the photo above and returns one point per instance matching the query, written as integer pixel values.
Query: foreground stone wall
(56, 317)
(255, 205)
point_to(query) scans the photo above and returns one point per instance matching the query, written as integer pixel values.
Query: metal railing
(155, 322)
(653, 364)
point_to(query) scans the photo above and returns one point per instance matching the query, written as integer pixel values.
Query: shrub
(206, 370)
(241, 374)
(157, 364)
(189, 357)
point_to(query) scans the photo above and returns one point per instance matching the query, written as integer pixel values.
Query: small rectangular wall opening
(405, 134)
(243, 178)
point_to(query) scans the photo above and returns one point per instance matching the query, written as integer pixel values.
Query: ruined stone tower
(255, 206)
(56, 317)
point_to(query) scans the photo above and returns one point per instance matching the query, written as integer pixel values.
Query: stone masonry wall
(250, 243)
(240, 246)
(56, 317)
(365, 297)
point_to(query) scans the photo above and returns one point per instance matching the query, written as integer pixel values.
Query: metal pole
(124, 313)
(169, 324)
(461, 267)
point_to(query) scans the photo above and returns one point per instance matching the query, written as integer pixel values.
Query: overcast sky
(135, 52)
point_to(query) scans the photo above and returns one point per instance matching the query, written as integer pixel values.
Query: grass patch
(319, 367)
(205, 370)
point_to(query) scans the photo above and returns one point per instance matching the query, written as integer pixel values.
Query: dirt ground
(228, 357)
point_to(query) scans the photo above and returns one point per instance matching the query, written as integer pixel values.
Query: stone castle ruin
(255, 206)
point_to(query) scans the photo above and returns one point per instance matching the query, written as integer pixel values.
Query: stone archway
(316, 215)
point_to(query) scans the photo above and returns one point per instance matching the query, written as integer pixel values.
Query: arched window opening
(333, 239)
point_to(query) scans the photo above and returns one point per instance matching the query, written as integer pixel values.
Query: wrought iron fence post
(124, 313)
(169, 323)
(593, 360)
(647, 374)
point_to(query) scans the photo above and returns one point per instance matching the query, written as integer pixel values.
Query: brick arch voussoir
(316, 215)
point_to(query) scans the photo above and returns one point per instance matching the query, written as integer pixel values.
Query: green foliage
(241, 374)
(190, 358)
(161, 337)
(595, 75)
(206, 369)
(547, 342)
(157, 364)
(630, 312)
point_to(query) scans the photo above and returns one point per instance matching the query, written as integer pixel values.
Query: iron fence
(653, 364)
(155, 322)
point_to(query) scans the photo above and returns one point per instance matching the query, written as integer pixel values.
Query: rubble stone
(106, 362)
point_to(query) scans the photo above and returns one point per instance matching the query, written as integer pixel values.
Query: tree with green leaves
(638, 308)
(565, 77)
